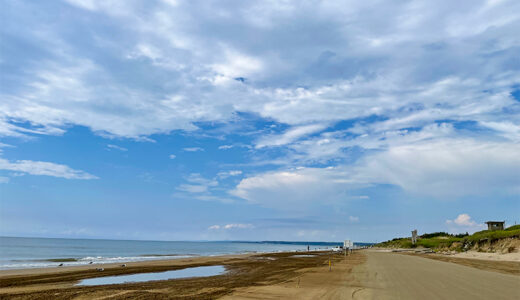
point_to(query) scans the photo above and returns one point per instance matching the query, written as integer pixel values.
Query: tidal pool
(142, 277)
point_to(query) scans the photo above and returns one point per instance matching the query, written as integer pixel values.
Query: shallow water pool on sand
(184, 273)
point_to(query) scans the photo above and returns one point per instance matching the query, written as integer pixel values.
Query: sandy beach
(367, 274)
(515, 256)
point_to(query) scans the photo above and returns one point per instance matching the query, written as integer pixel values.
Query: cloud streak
(231, 226)
(193, 149)
(116, 147)
(44, 168)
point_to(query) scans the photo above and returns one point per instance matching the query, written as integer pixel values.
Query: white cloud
(193, 149)
(237, 65)
(353, 219)
(197, 178)
(231, 226)
(209, 197)
(446, 168)
(225, 174)
(368, 63)
(506, 129)
(227, 147)
(294, 189)
(240, 226)
(2, 145)
(172, 156)
(116, 147)
(438, 169)
(191, 188)
(331, 145)
(464, 222)
(203, 189)
(197, 184)
(44, 168)
(289, 136)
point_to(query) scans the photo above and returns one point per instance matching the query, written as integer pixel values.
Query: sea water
(19, 253)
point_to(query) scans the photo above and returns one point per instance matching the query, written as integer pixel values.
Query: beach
(366, 274)
(242, 271)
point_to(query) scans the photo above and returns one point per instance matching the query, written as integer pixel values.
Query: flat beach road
(399, 276)
(383, 275)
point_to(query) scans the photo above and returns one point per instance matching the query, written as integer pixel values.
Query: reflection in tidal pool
(184, 273)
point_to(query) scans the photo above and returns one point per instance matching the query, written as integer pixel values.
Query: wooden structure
(495, 225)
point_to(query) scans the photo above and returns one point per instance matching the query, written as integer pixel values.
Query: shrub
(434, 234)
(514, 227)
(461, 235)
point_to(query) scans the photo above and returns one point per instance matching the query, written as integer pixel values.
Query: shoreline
(145, 259)
(141, 263)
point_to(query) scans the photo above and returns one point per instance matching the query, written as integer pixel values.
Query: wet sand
(338, 282)
(243, 271)
(363, 275)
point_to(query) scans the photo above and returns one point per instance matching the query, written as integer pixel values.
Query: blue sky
(258, 120)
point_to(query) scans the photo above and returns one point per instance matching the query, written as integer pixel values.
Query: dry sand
(515, 256)
(387, 275)
(398, 276)
(363, 275)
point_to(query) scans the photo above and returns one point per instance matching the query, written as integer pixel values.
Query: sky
(258, 120)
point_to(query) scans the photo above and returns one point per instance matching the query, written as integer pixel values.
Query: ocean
(20, 253)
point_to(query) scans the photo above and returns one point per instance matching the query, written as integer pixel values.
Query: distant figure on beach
(60, 265)
(308, 248)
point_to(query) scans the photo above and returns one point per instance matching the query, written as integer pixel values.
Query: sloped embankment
(503, 245)
(498, 241)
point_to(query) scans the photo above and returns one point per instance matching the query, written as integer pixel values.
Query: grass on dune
(442, 240)
(513, 231)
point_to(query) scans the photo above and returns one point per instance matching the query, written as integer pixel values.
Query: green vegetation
(491, 236)
(432, 242)
(434, 234)
(514, 227)
(445, 241)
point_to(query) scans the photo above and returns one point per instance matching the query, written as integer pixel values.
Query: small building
(495, 225)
